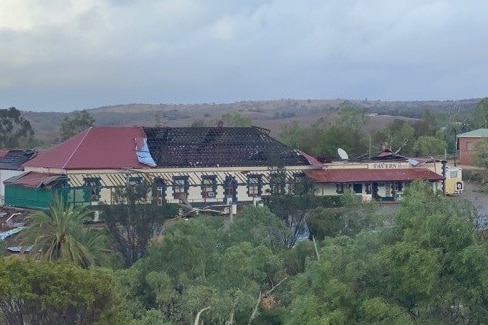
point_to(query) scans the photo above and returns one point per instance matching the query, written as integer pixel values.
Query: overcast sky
(66, 55)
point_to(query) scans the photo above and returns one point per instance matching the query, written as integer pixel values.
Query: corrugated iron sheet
(33, 179)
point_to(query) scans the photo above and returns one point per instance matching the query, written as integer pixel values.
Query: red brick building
(466, 145)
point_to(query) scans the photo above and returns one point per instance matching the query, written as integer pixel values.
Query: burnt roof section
(13, 159)
(218, 146)
(385, 154)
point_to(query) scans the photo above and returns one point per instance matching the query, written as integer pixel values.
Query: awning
(33, 179)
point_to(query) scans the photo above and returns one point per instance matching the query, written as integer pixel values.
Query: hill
(271, 114)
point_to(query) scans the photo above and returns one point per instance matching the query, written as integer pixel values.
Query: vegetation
(426, 268)
(45, 293)
(59, 234)
(80, 121)
(134, 220)
(15, 130)
(421, 263)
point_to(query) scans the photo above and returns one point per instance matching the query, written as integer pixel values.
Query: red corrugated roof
(33, 179)
(312, 160)
(371, 175)
(94, 148)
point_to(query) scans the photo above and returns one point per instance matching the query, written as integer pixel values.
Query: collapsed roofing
(144, 147)
(13, 159)
(218, 146)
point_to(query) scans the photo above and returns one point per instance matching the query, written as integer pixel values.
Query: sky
(67, 55)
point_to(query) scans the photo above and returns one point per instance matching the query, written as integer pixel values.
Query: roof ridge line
(76, 149)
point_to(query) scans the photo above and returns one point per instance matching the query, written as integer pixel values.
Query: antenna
(343, 154)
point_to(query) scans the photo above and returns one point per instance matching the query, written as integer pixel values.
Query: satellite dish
(343, 154)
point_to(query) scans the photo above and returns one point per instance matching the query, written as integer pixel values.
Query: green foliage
(80, 121)
(428, 126)
(59, 234)
(480, 115)
(15, 130)
(427, 146)
(203, 263)
(33, 292)
(200, 123)
(235, 119)
(284, 205)
(351, 117)
(296, 258)
(480, 154)
(134, 220)
(3, 248)
(260, 226)
(398, 135)
(331, 290)
(349, 217)
(294, 135)
(426, 267)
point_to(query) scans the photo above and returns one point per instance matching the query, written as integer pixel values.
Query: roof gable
(94, 148)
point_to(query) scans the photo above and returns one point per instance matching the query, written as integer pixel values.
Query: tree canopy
(425, 267)
(79, 121)
(60, 234)
(45, 293)
(134, 219)
(15, 130)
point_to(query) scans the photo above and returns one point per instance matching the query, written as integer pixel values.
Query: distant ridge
(265, 113)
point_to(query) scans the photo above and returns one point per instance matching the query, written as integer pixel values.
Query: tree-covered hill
(265, 113)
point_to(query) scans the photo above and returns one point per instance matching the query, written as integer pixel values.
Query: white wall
(6, 174)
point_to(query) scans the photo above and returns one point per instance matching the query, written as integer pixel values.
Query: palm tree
(59, 234)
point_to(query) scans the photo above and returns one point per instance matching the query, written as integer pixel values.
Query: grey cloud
(215, 51)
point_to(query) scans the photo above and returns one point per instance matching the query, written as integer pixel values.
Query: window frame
(180, 187)
(94, 185)
(277, 183)
(254, 185)
(209, 185)
(340, 188)
(159, 190)
(230, 182)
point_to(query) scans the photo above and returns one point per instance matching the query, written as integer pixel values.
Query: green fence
(40, 198)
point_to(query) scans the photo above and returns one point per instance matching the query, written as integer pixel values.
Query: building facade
(198, 166)
(466, 145)
(206, 167)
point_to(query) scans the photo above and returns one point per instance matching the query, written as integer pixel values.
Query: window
(180, 187)
(453, 174)
(230, 187)
(398, 186)
(92, 188)
(209, 186)
(254, 184)
(340, 188)
(277, 183)
(469, 146)
(357, 188)
(159, 191)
